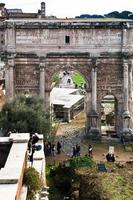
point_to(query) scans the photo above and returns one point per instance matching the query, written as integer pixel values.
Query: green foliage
(60, 179)
(64, 179)
(33, 181)
(129, 148)
(56, 80)
(25, 115)
(115, 14)
(81, 161)
(116, 185)
(78, 79)
(49, 168)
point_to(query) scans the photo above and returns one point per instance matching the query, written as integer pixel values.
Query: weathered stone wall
(110, 82)
(26, 75)
(70, 62)
(27, 78)
(102, 51)
(89, 40)
(85, 36)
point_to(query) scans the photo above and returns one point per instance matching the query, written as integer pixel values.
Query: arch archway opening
(68, 97)
(109, 116)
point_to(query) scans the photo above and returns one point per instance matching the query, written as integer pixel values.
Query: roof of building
(55, 23)
(65, 96)
(10, 174)
(14, 10)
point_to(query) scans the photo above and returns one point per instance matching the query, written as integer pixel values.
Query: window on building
(67, 39)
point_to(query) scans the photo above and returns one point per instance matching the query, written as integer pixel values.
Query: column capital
(94, 64)
(10, 61)
(125, 62)
(42, 66)
(131, 61)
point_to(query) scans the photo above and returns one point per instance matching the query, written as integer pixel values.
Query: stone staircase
(44, 193)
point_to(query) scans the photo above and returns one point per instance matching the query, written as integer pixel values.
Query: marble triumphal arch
(101, 50)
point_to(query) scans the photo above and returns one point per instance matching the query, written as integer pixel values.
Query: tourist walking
(58, 147)
(49, 148)
(74, 152)
(90, 154)
(77, 150)
(53, 150)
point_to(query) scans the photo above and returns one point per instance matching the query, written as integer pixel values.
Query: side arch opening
(109, 109)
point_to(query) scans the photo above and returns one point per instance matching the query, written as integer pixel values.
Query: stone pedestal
(93, 131)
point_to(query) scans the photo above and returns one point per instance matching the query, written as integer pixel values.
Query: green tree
(25, 115)
(56, 80)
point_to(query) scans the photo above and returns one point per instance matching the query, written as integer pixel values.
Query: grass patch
(129, 148)
(118, 188)
(78, 79)
(116, 185)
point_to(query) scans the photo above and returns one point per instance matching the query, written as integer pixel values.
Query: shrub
(81, 161)
(63, 179)
(33, 181)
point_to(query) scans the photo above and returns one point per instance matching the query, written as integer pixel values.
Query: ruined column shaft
(42, 81)
(130, 81)
(94, 89)
(7, 82)
(9, 78)
(11, 84)
(125, 85)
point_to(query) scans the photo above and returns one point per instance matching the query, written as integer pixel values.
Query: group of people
(50, 149)
(65, 73)
(76, 150)
(32, 145)
(110, 157)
